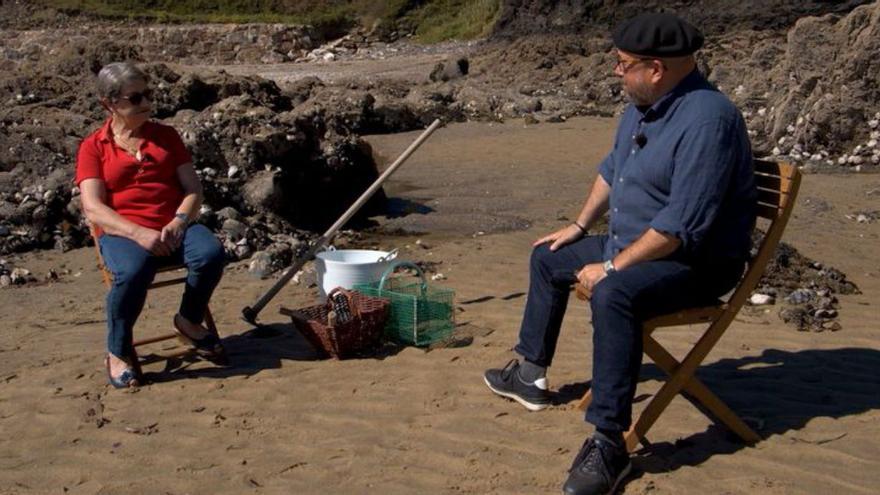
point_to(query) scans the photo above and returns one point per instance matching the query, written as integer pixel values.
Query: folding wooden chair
(777, 188)
(107, 276)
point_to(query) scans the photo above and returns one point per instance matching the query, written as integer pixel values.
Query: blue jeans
(133, 269)
(620, 302)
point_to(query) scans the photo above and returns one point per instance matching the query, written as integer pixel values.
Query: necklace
(130, 145)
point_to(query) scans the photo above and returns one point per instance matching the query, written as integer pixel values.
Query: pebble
(438, 276)
(260, 264)
(762, 299)
(825, 313)
(800, 296)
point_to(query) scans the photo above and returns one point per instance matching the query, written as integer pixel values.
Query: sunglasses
(137, 98)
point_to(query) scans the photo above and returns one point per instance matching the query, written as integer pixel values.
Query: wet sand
(279, 421)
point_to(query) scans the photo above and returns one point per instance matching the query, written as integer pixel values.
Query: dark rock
(449, 70)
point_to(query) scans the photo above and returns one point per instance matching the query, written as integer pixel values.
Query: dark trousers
(133, 269)
(620, 302)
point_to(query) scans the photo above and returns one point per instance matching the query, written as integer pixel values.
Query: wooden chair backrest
(777, 184)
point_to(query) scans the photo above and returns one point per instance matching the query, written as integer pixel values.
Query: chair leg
(696, 389)
(209, 322)
(683, 373)
(136, 362)
(584, 403)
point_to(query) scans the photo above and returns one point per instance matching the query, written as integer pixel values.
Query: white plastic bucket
(347, 267)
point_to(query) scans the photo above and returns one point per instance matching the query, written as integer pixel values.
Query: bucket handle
(388, 257)
(407, 264)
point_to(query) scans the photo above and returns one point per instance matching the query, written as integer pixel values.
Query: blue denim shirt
(683, 166)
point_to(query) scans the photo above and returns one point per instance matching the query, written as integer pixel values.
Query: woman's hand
(152, 241)
(561, 237)
(172, 234)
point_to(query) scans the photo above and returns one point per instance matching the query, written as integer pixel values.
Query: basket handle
(352, 304)
(407, 264)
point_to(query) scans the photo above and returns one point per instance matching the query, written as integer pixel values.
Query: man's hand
(561, 237)
(152, 241)
(590, 275)
(172, 234)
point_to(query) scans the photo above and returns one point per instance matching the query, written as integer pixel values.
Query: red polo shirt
(145, 191)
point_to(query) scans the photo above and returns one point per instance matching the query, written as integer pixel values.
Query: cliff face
(804, 73)
(714, 17)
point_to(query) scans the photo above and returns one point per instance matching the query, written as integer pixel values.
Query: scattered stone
(762, 299)
(234, 229)
(800, 296)
(260, 264)
(450, 70)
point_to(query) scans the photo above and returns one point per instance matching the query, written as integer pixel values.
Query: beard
(639, 94)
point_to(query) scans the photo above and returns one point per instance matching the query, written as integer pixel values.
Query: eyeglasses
(137, 98)
(623, 67)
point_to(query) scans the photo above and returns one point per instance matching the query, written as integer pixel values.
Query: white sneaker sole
(528, 405)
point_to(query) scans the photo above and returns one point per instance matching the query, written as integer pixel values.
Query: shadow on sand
(775, 393)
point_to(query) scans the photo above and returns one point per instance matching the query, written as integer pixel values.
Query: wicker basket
(361, 333)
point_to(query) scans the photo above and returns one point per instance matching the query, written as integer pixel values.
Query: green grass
(332, 12)
(455, 19)
(432, 20)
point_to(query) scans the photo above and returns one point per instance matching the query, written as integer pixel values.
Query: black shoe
(507, 382)
(598, 469)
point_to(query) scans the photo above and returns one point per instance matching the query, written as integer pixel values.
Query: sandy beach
(415, 421)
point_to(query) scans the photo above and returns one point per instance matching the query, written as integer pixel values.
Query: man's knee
(539, 256)
(609, 295)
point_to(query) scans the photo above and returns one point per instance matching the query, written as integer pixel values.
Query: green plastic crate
(420, 314)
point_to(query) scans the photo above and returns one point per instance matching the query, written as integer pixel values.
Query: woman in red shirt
(141, 193)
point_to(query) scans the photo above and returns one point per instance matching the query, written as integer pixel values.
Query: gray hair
(113, 77)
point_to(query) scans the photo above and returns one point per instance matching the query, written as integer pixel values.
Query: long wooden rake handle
(250, 313)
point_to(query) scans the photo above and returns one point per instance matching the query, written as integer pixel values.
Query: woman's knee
(208, 254)
(130, 266)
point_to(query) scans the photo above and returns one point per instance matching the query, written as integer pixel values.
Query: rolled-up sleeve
(606, 168)
(704, 161)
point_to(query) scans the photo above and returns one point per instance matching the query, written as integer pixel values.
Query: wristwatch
(609, 267)
(182, 216)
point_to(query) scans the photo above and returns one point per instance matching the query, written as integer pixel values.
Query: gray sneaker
(507, 382)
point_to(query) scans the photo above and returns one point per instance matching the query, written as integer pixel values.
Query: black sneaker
(598, 469)
(507, 382)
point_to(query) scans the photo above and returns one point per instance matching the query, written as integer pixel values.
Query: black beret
(658, 35)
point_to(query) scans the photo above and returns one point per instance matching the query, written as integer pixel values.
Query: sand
(279, 421)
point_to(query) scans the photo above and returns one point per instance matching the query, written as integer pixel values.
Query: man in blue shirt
(679, 189)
